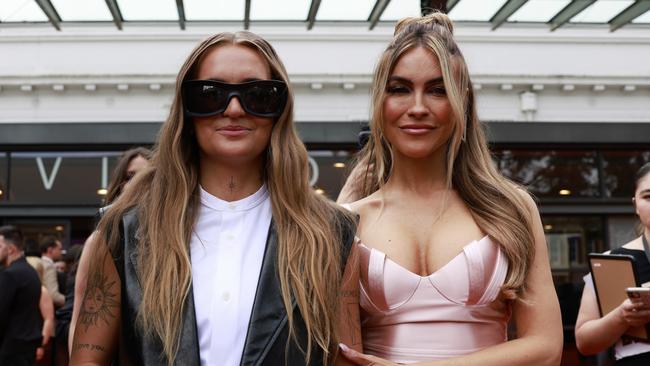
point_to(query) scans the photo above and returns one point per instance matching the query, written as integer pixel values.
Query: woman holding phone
(594, 333)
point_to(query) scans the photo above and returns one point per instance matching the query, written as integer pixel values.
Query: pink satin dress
(407, 318)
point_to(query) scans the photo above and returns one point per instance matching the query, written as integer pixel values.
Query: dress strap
(498, 277)
(476, 272)
(376, 266)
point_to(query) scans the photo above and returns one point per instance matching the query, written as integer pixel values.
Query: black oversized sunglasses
(262, 98)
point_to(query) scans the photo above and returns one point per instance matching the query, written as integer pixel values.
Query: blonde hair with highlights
(167, 199)
(496, 203)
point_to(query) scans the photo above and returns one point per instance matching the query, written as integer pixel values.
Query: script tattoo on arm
(88, 346)
(98, 303)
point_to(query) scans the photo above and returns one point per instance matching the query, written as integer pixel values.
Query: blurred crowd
(37, 285)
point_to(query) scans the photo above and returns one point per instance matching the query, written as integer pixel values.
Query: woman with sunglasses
(449, 249)
(221, 253)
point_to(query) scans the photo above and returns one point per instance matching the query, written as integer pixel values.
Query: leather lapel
(268, 316)
(188, 350)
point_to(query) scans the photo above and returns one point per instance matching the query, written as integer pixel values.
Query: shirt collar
(47, 259)
(243, 204)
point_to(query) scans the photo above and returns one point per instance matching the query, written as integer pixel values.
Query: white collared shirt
(227, 249)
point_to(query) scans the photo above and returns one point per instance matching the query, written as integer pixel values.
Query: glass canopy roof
(118, 13)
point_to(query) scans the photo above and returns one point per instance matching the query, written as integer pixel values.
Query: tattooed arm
(97, 325)
(349, 323)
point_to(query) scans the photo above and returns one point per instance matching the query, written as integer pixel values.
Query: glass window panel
(551, 173)
(538, 11)
(601, 11)
(4, 169)
(92, 10)
(476, 10)
(329, 168)
(280, 9)
(214, 9)
(21, 11)
(643, 18)
(569, 240)
(398, 9)
(619, 169)
(134, 10)
(345, 9)
(59, 178)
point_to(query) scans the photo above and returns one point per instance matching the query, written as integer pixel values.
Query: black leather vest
(266, 341)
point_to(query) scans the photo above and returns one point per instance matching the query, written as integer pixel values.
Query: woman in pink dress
(449, 249)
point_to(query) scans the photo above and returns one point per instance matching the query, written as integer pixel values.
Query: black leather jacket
(266, 341)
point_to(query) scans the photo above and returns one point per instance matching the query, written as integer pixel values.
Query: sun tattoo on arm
(99, 301)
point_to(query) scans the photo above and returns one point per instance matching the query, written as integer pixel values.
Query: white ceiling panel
(601, 11)
(398, 9)
(21, 11)
(148, 10)
(280, 9)
(538, 10)
(92, 10)
(214, 9)
(345, 10)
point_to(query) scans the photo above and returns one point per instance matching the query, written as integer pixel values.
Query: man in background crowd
(20, 293)
(51, 252)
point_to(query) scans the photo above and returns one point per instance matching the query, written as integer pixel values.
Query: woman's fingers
(361, 359)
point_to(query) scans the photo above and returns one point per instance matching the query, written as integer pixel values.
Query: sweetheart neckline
(473, 242)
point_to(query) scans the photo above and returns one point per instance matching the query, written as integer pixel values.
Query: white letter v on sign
(48, 182)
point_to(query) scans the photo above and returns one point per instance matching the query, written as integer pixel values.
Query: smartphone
(639, 294)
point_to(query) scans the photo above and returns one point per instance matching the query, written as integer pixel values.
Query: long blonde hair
(166, 196)
(494, 201)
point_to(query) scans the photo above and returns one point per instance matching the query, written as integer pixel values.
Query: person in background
(46, 307)
(221, 253)
(594, 333)
(130, 163)
(449, 249)
(21, 325)
(51, 251)
(64, 314)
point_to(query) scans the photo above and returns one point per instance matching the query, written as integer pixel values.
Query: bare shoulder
(528, 200)
(365, 205)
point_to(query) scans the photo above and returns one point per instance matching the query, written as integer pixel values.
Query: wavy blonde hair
(166, 196)
(494, 201)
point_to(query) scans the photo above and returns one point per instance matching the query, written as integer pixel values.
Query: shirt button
(232, 206)
(230, 237)
(226, 296)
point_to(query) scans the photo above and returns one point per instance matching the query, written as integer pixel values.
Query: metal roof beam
(115, 12)
(633, 11)
(181, 13)
(247, 14)
(509, 8)
(313, 10)
(451, 4)
(50, 12)
(569, 11)
(376, 12)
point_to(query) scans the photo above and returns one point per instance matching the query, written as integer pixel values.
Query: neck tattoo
(231, 185)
